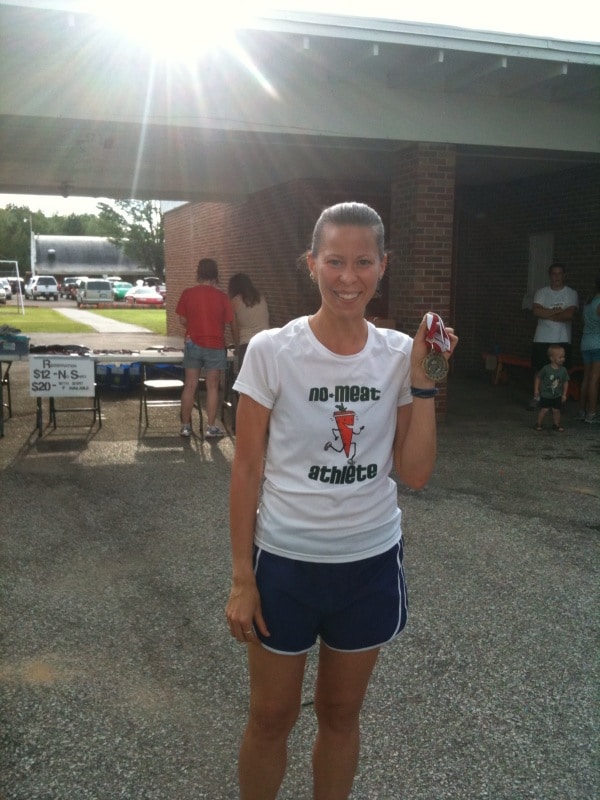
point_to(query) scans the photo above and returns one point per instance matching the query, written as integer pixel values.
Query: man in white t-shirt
(554, 306)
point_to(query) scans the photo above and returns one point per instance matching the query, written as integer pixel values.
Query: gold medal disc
(435, 366)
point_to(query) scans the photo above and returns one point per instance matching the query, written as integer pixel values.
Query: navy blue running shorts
(351, 606)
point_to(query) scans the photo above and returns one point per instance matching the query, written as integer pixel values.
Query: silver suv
(42, 286)
(93, 291)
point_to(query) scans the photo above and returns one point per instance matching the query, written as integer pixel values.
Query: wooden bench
(501, 360)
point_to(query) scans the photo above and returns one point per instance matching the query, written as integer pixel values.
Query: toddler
(551, 386)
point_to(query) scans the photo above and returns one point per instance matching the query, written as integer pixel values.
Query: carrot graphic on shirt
(344, 432)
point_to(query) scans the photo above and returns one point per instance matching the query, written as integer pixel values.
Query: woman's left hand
(244, 612)
(420, 349)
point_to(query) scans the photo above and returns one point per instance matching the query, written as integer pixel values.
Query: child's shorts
(351, 606)
(550, 402)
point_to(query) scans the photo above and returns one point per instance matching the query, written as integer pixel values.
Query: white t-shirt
(548, 330)
(327, 494)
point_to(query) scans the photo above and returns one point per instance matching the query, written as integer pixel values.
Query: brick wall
(264, 237)
(492, 240)
(422, 220)
(191, 233)
(463, 253)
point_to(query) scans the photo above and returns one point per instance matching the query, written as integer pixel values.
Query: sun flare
(180, 30)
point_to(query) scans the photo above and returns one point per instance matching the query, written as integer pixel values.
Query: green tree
(137, 227)
(15, 231)
(15, 234)
(74, 225)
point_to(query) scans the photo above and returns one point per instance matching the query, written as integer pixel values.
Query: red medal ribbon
(436, 333)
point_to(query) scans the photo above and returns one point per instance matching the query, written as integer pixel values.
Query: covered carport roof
(83, 111)
(82, 255)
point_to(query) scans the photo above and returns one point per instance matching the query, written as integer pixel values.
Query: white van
(94, 291)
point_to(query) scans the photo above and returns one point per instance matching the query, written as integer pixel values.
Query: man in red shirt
(204, 311)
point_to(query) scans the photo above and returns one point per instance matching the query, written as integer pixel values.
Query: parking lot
(119, 678)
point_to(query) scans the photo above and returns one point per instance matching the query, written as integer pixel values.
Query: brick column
(421, 236)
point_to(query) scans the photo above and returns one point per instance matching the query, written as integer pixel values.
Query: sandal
(538, 428)
(558, 428)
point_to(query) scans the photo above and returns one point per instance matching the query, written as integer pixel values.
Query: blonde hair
(356, 214)
(554, 348)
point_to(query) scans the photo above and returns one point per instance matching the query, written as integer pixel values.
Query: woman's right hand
(244, 612)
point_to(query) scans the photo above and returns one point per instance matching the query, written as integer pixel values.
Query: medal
(434, 364)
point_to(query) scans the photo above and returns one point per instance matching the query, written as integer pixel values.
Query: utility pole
(31, 245)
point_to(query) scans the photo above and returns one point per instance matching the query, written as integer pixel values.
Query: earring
(312, 277)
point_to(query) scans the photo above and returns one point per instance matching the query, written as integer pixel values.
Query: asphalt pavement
(118, 677)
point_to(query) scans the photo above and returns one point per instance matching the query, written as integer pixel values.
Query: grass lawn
(155, 319)
(40, 320)
(47, 320)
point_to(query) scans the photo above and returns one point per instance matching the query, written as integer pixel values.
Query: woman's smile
(345, 295)
(347, 267)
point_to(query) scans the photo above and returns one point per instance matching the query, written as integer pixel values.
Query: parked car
(2, 296)
(93, 291)
(42, 286)
(144, 296)
(14, 285)
(120, 289)
(5, 284)
(68, 287)
(74, 287)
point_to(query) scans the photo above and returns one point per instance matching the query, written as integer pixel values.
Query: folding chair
(162, 389)
(94, 408)
(230, 397)
(198, 405)
(5, 388)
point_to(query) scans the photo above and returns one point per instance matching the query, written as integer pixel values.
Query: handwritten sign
(61, 376)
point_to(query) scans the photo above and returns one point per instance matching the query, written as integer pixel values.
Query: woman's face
(347, 268)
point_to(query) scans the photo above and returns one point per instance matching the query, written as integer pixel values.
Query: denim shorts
(351, 606)
(590, 356)
(196, 357)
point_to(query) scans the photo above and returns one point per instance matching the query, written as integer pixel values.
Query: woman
(323, 558)
(590, 352)
(205, 313)
(250, 309)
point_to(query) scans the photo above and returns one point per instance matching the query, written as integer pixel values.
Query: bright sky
(576, 20)
(51, 205)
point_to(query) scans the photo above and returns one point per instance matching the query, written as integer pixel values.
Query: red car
(144, 296)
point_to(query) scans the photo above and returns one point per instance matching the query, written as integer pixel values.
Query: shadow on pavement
(119, 678)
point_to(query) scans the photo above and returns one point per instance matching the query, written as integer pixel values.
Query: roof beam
(427, 65)
(474, 72)
(547, 72)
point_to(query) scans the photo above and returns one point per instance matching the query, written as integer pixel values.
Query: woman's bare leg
(188, 394)
(342, 683)
(275, 696)
(213, 376)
